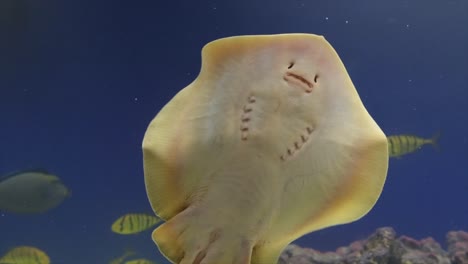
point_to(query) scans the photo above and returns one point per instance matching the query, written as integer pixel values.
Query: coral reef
(458, 246)
(383, 247)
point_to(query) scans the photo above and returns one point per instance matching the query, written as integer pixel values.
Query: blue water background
(81, 80)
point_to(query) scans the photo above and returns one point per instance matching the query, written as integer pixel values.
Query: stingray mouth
(299, 81)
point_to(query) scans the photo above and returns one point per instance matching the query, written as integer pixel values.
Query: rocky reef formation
(458, 246)
(384, 247)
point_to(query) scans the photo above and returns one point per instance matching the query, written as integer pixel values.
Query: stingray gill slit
(292, 150)
(245, 117)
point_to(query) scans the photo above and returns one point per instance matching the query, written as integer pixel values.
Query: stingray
(270, 142)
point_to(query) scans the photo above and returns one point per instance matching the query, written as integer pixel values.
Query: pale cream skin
(269, 143)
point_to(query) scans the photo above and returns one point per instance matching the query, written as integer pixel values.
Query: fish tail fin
(434, 141)
(128, 252)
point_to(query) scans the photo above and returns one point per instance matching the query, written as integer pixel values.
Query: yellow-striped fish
(140, 261)
(134, 223)
(399, 145)
(25, 255)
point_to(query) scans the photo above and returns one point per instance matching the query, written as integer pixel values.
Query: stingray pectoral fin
(363, 180)
(160, 153)
(346, 178)
(165, 237)
(175, 156)
(180, 240)
(268, 253)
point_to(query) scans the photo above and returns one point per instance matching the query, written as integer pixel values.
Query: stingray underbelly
(243, 185)
(241, 194)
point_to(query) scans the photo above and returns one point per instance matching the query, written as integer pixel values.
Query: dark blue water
(81, 80)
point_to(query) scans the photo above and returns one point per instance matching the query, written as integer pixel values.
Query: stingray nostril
(291, 64)
(315, 78)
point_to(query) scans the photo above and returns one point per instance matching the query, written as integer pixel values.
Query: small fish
(120, 260)
(31, 192)
(140, 261)
(399, 145)
(134, 223)
(25, 255)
